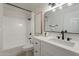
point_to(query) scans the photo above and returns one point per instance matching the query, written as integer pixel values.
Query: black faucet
(62, 32)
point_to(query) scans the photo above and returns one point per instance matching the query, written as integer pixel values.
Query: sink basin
(63, 42)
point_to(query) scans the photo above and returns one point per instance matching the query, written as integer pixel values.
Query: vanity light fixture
(52, 4)
(69, 4)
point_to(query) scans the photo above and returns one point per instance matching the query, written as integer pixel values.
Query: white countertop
(75, 48)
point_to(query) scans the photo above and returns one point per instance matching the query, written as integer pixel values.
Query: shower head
(29, 19)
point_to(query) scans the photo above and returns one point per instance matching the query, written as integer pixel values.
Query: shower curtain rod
(18, 7)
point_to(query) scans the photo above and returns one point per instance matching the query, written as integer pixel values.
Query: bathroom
(39, 29)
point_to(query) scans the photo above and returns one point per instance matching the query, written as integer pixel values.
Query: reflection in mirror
(71, 18)
(53, 20)
(64, 18)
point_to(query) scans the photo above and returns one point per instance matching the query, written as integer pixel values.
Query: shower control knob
(36, 43)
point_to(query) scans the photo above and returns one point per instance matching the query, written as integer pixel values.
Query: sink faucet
(62, 33)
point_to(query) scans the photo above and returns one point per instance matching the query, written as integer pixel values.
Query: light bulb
(53, 10)
(20, 24)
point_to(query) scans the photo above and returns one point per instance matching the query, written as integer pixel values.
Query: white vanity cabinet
(43, 48)
(37, 47)
(48, 49)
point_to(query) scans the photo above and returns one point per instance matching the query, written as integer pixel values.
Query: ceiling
(31, 6)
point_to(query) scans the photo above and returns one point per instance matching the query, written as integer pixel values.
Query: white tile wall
(14, 27)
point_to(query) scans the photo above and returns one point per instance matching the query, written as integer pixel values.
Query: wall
(38, 19)
(32, 23)
(1, 15)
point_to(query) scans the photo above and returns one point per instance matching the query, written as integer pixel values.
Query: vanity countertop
(75, 48)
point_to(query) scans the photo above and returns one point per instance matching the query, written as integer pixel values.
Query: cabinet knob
(36, 51)
(32, 43)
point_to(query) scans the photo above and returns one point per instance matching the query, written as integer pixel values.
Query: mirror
(71, 18)
(53, 20)
(66, 18)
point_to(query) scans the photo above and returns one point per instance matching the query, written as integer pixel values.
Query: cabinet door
(46, 49)
(43, 49)
(52, 50)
